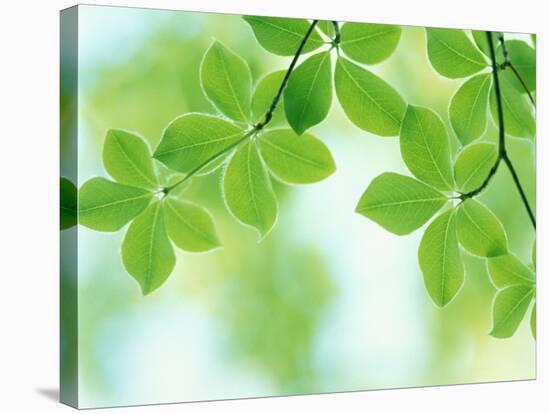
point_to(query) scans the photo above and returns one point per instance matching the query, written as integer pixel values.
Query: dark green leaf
(283, 36)
(296, 159)
(425, 147)
(399, 203)
(247, 190)
(469, 107)
(509, 308)
(368, 101)
(227, 82)
(480, 39)
(68, 201)
(190, 227)
(508, 270)
(452, 54)
(146, 250)
(369, 43)
(108, 206)
(473, 165)
(193, 139)
(440, 261)
(308, 95)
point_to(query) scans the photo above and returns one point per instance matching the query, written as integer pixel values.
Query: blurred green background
(328, 302)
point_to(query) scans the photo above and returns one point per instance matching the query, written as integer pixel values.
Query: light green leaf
(452, 54)
(68, 202)
(524, 59)
(213, 165)
(509, 308)
(519, 118)
(265, 92)
(425, 147)
(190, 227)
(479, 230)
(147, 253)
(369, 43)
(227, 82)
(480, 39)
(193, 139)
(368, 101)
(533, 321)
(440, 261)
(399, 203)
(282, 36)
(296, 159)
(473, 165)
(469, 107)
(308, 95)
(327, 27)
(534, 254)
(247, 190)
(508, 270)
(127, 158)
(108, 206)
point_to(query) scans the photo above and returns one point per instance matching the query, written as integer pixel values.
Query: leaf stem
(508, 64)
(267, 117)
(502, 153)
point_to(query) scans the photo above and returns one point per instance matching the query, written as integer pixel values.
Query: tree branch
(508, 64)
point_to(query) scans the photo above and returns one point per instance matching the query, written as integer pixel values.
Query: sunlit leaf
(327, 27)
(193, 139)
(308, 95)
(283, 36)
(473, 165)
(247, 190)
(480, 39)
(368, 101)
(509, 308)
(399, 203)
(189, 226)
(533, 321)
(127, 158)
(534, 254)
(469, 108)
(227, 82)
(147, 253)
(508, 270)
(425, 147)
(453, 54)
(264, 93)
(440, 260)
(369, 43)
(68, 202)
(108, 206)
(296, 159)
(524, 59)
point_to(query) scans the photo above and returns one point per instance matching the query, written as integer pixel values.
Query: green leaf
(399, 203)
(247, 190)
(227, 82)
(534, 254)
(147, 253)
(469, 107)
(509, 308)
(452, 54)
(296, 159)
(369, 43)
(533, 321)
(68, 202)
(327, 27)
(265, 91)
(508, 270)
(190, 227)
(193, 139)
(368, 101)
(440, 261)
(473, 165)
(213, 165)
(518, 113)
(108, 206)
(524, 59)
(308, 95)
(127, 158)
(425, 147)
(479, 230)
(283, 36)
(480, 39)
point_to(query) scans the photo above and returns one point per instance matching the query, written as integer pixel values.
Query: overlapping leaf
(473, 165)
(68, 202)
(509, 308)
(508, 270)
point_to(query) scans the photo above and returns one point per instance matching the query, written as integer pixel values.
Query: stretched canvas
(261, 206)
